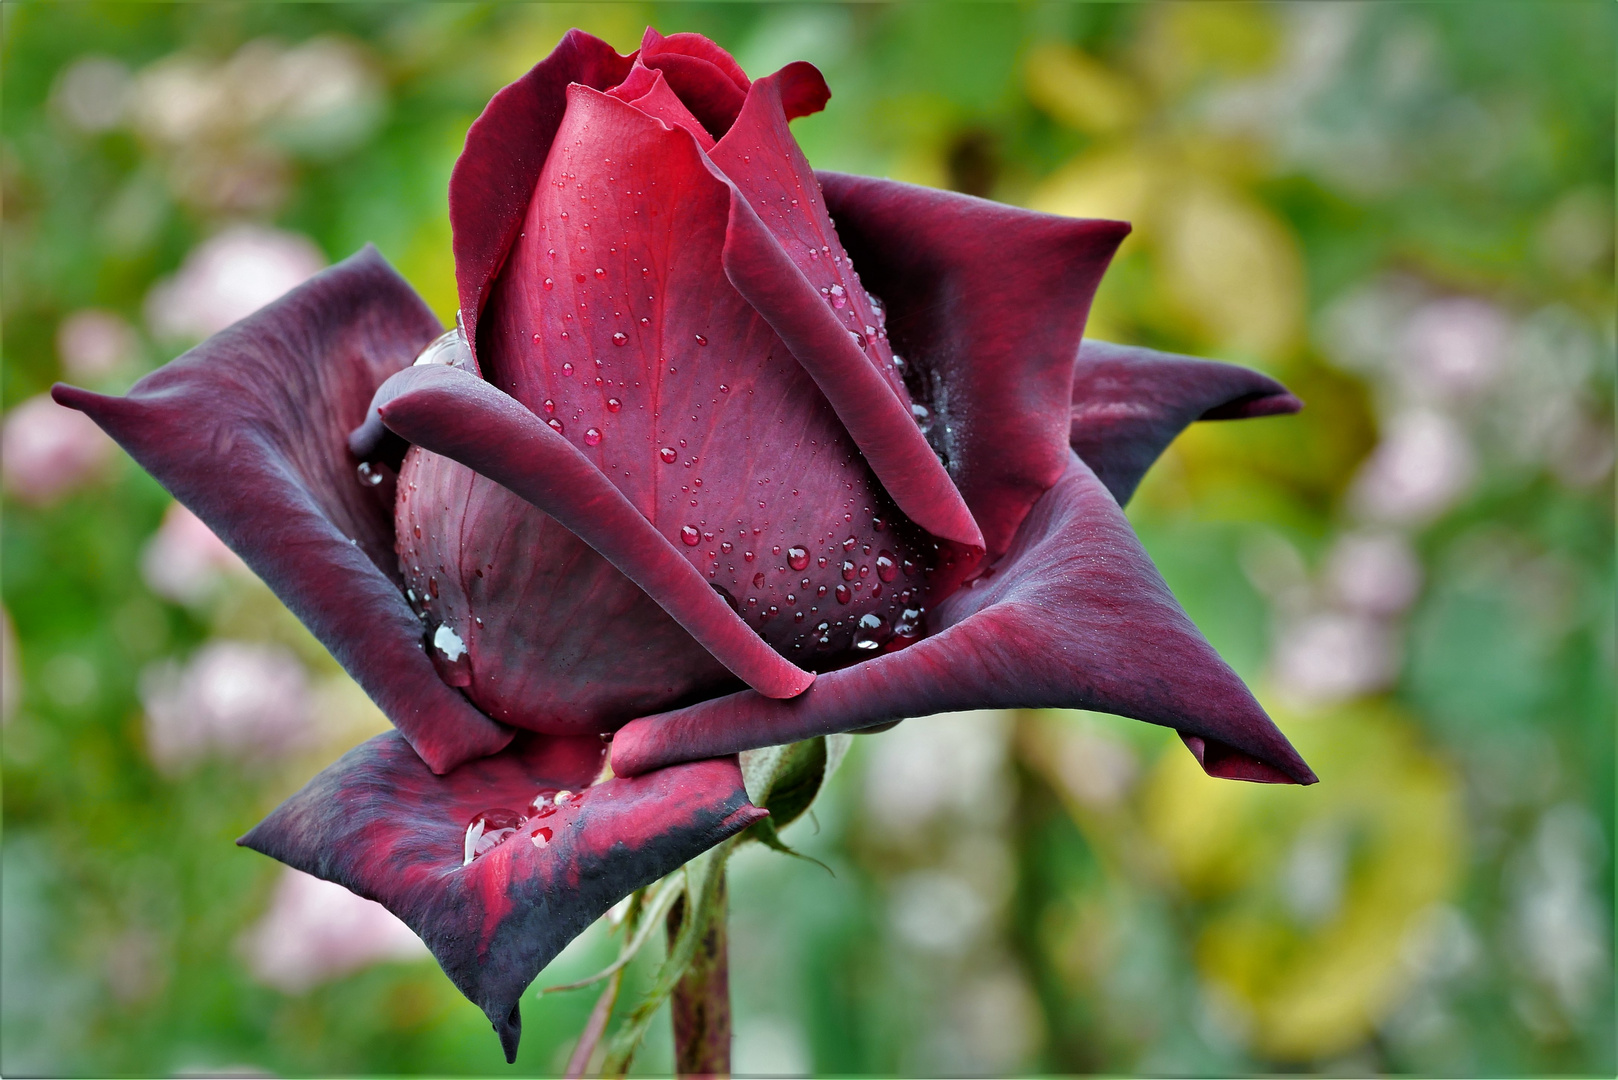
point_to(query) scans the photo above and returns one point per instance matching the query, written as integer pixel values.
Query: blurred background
(1405, 211)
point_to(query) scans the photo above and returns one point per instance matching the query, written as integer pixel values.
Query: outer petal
(1073, 616)
(1129, 403)
(783, 255)
(454, 413)
(248, 431)
(506, 148)
(987, 304)
(380, 824)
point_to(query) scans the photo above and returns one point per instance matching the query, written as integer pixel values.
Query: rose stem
(701, 1001)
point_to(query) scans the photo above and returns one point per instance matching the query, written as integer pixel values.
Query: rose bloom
(684, 478)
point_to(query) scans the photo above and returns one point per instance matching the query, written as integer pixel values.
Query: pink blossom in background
(93, 344)
(228, 277)
(1422, 467)
(48, 450)
(316, 930)
(1454, 348)
(184, 561)
(242, 700)
(1376, 573)
(1332, 656)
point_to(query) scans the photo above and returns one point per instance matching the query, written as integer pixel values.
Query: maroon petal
(1073, 616)
(706, 78)
(248, 430)
(613, 321)
(783, 255)
(648, 91)
(506, 148)
(1129, 403)
(987, 304)
(379, 823)
(456, 414)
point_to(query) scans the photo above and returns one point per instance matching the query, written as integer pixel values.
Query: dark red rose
(683, 475)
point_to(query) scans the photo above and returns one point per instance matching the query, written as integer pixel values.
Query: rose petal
(1074, 616)
(707, 79)
(382, 825)
(454, 413)
(778, 219)
(1129, 403)
(556, 639)
(506, 148)
(248, 429)
(681, 394)
(987, 304)
(648, 91)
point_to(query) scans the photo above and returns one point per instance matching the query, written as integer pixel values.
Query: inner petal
(614, 321)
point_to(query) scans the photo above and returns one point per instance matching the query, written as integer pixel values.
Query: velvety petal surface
(506, 148)
(707, 78)
(381, 824)
(614, 323)
(783, 255)
(249, 430)
(458, 415)
(1073, 616)
(1129, 403)
(987, 304)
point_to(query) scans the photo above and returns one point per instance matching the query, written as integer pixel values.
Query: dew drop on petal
(550, 406)
(886, 568)
(690, 536)
(555, 423)
(843, 594)
(848, 570)
(758, 580)
(727, 547)
(620, 338)
(797, 558)
(592, 436)
(600, 273)
(869, 634)
(701, 340)
(369, 474)
(667, 455)
(488, 830)
(567, 369)
(549, 284)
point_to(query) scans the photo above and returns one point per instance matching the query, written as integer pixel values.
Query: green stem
(700, 1005)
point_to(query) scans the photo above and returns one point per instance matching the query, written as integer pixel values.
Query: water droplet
(899, 363)
(797, 558)
(550, 406)
(536, 337)
(843, 594)
(667, 455)
(690, 536)
(579, 278)
(859, 338)
(869, 634)
(489, 830)
(909, 567)
(567, 369)
(549, 284)
(839, 297)
(620, 338)
(723, 389)
(540, 836)
(555, 423)
(727, 547)
(551, 253)
(600, 273)
(592, 436)
(758, 580)
(369, 474)
(850, 544)
(886, 568)
(564, 335)
(701, 340)
(749, 556)
(848, 570)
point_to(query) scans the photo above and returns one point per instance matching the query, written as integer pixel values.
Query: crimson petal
(456, 414)
(1129, 403)
(1074, 616)
(707, 79)
(987, 303)
(779, 255)
(379, 823)
(506, 148)
(248, 430)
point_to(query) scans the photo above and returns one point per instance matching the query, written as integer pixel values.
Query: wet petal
(987, 304)
(681, 394)
(506, 148)
(1073, 616)
(248, 431)
(1129, 403)
(379, 823)
(555, 638)
(648, 91)
(783, 255)
(458, 415)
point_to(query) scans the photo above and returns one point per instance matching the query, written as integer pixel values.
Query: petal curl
(379, 823)
(1129, 403)
(783, 255)
(506, 148)
(249, 430)
(707, 78)
(458, 415)
(1074, 616)
(987, 304)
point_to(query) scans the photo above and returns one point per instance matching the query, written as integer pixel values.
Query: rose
(671, 466)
